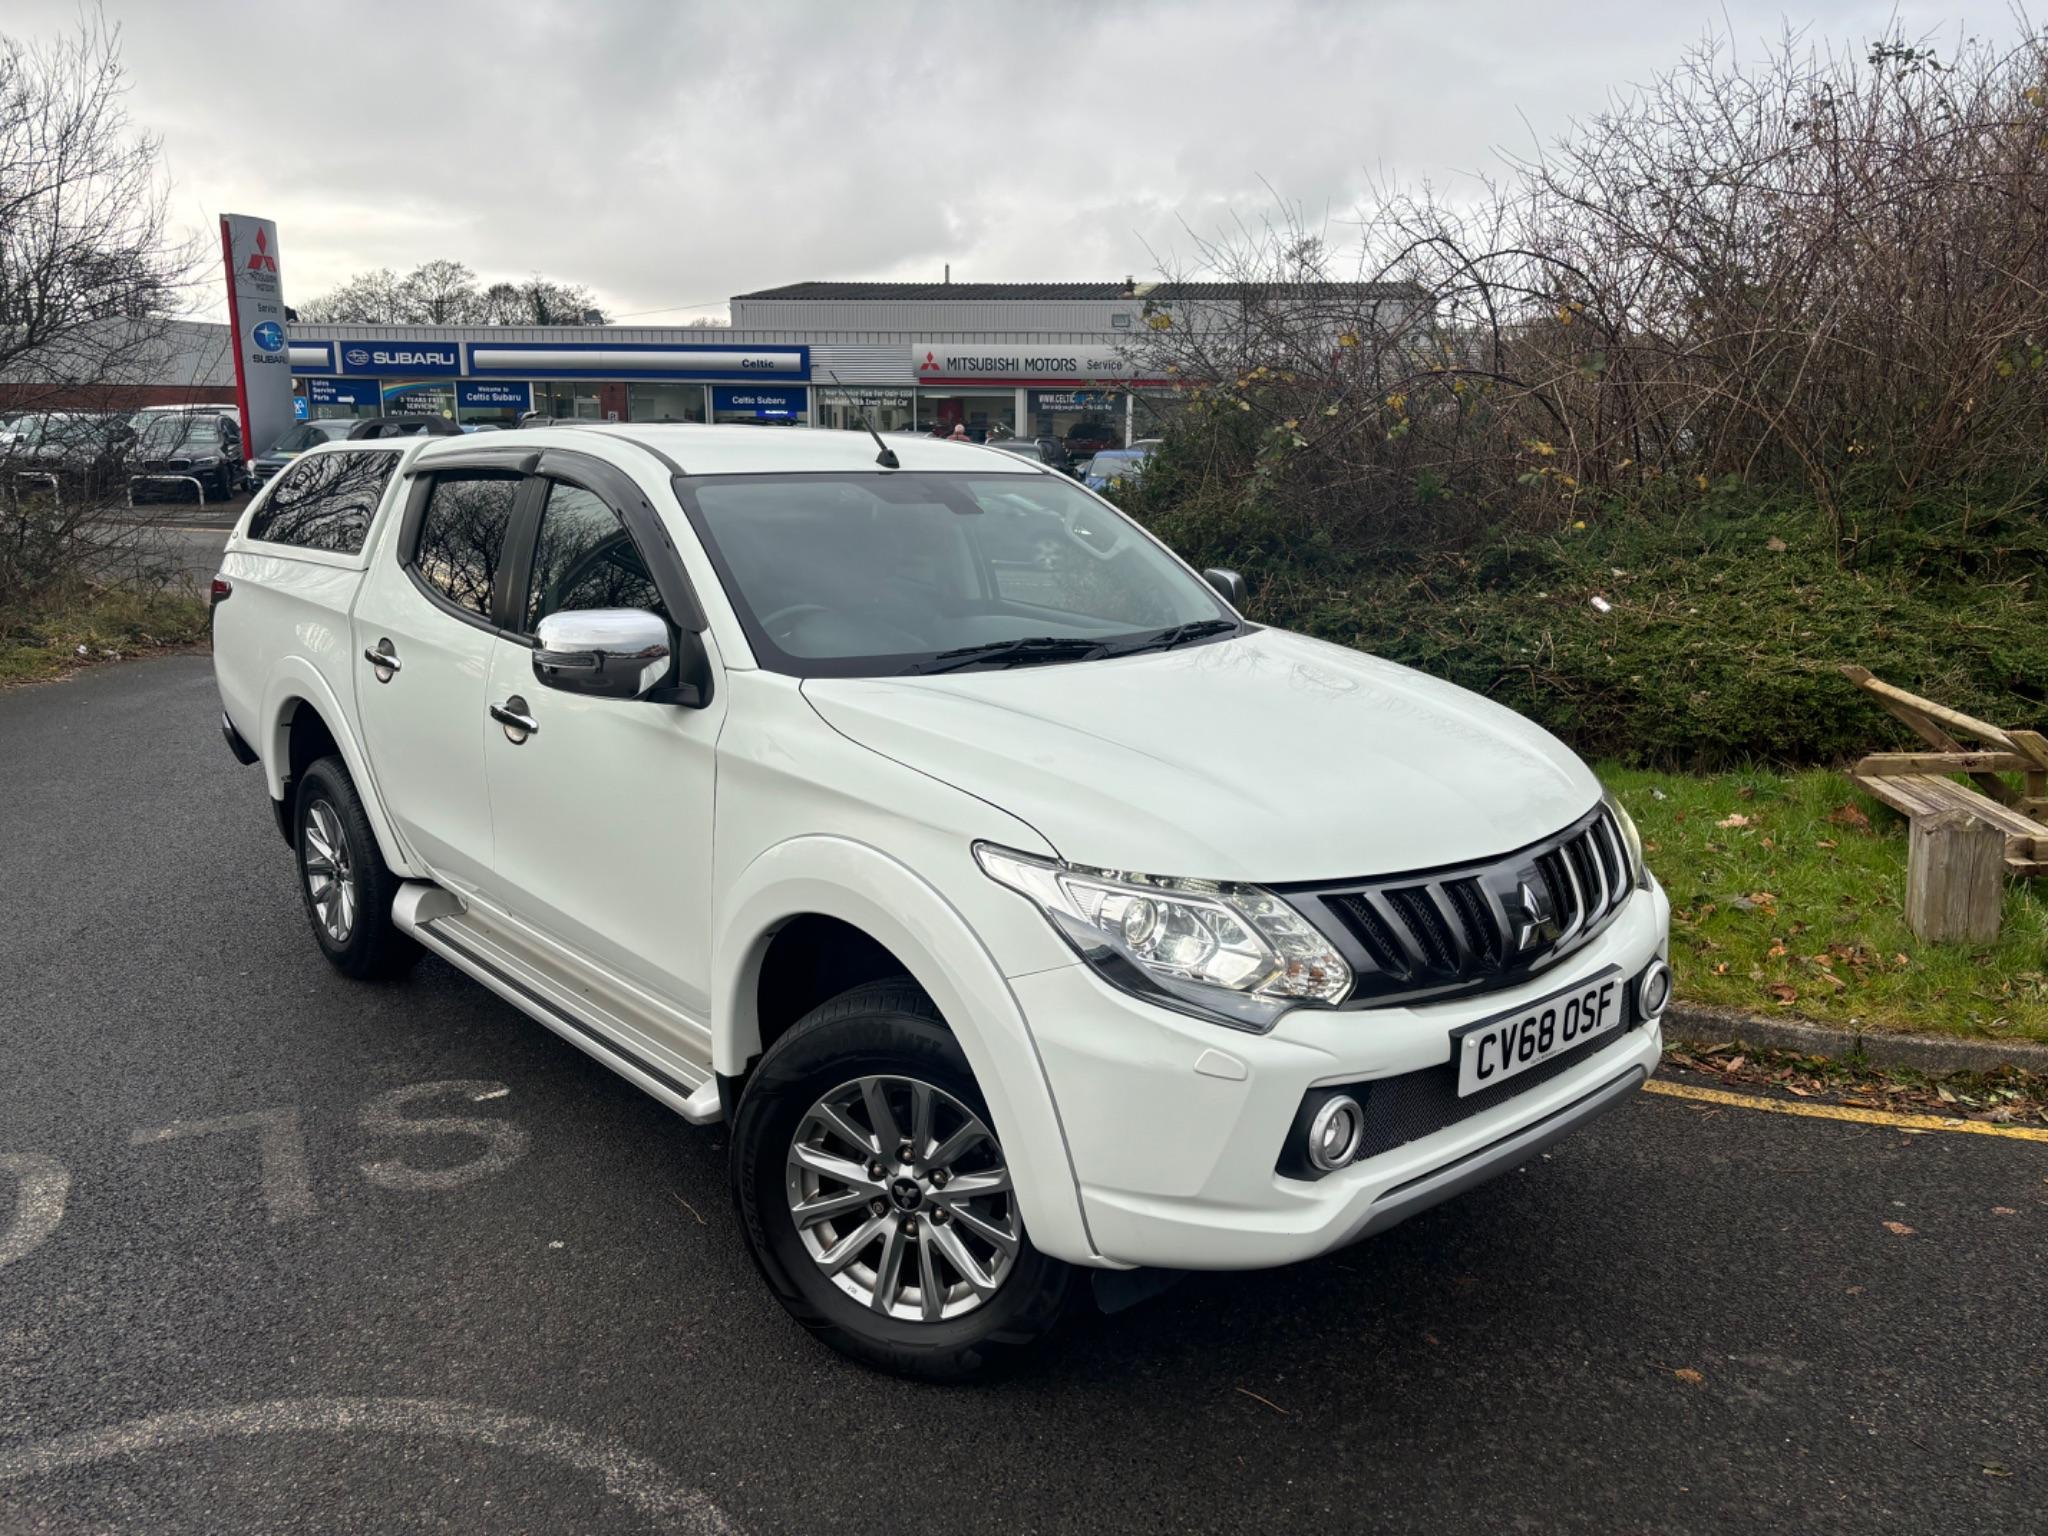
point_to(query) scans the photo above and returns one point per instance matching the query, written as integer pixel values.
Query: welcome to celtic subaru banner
(263, 360)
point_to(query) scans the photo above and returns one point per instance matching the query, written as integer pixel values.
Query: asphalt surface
(323, 1316)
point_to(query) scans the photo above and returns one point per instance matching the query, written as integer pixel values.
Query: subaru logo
(356, 357)
(269, 336)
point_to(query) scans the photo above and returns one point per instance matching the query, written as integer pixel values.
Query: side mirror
(1228, 584)
(621, 653)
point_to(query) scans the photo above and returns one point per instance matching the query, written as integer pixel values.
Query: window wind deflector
(1180, 634)
(1011, 653)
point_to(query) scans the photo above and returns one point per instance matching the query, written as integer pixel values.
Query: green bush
(1726, 619)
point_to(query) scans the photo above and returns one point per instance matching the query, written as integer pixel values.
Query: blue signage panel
(636, 360)
(757, 402)
(401, 359)
(489, 395)
(341, 391)
(299, 408)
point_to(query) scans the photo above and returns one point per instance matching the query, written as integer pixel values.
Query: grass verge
(59, 634)
(1788, 892)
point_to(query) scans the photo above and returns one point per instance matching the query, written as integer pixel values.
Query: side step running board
(436, 918)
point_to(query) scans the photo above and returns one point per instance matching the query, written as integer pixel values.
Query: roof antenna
(887, 457)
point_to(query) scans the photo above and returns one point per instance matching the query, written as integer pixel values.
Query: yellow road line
(1898, 1122)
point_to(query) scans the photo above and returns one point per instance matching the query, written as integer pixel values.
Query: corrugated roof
(1028, 292)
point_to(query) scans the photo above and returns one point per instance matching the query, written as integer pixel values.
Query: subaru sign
(263, 368)
(402, 359)
(765, 403)
(340, 392)
(493, 396)
(635, 360)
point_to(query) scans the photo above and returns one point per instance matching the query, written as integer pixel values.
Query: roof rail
(402, 426)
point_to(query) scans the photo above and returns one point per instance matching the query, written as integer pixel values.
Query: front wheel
(345, 883)
(876, 1195)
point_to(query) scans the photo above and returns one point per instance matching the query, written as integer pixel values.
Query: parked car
(303, 436)
(1031, 920)
(1114, 464)
(180, 446)
(1033, 449)
(1092, 436)
(76, 452)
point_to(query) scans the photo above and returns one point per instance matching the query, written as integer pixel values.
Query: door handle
(383, 658)
(517, 722)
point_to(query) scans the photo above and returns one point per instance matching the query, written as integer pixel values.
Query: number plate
(1496, 1049)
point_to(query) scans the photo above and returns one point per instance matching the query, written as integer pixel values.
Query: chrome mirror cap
(609, 653)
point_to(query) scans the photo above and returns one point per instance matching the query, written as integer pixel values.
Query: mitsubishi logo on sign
(256, 318)
(260, 259)
(1013, 364)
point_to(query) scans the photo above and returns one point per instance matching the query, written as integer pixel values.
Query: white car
(1028, 914)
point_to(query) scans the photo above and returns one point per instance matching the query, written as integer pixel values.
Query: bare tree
(88, 272)
(368, 298)
(1823, 275)
(443, 292)
(439, 293)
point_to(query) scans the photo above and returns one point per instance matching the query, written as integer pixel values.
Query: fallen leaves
(1733, 819)
(1898, 1229)
(1689, 1376)
(1849, 815)
(2008, 1096)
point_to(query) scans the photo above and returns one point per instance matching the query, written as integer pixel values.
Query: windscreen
(871, 574)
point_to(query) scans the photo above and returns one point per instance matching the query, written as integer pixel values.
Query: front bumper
(1176, 1126)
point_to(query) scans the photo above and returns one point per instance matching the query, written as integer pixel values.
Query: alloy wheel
(901, 1197)
(330, 875)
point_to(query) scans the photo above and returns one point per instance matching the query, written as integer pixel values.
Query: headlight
(1233, 953)
(1633, 841)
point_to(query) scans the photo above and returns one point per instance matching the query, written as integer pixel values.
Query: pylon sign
(263, 354)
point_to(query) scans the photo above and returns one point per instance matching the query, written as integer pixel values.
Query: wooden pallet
(1921, 785)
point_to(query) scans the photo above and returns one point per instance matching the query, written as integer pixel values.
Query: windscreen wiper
(1180, 634)
(1012, 653)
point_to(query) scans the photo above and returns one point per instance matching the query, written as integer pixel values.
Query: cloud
(670, 155)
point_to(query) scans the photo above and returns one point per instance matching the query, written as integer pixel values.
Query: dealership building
(1024, 359)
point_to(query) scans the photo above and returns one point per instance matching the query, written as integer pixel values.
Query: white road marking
(626, 1475)
(384, 1116)
(287, 1187)
(38, 1203)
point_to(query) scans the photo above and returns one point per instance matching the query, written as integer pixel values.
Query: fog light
(1653, 992)
(1334, 1132)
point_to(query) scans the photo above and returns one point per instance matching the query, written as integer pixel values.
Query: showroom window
(665, 402)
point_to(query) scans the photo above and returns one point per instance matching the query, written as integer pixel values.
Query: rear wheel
(345, 884)
(876, 1195)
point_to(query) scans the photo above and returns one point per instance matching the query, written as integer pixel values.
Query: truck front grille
(1476, 927)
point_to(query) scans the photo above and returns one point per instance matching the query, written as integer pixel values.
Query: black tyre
(914, 1257)
(343, 880)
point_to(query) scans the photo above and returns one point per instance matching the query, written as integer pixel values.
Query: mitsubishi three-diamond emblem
(1533, 915)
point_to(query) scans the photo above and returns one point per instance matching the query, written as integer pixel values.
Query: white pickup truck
(1025, 910)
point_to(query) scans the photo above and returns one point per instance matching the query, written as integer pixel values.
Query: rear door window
(461, 544)
(325, 501)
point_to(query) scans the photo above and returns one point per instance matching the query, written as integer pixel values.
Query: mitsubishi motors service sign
(263, 359)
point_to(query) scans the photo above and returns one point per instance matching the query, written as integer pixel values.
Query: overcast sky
(670, 155)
